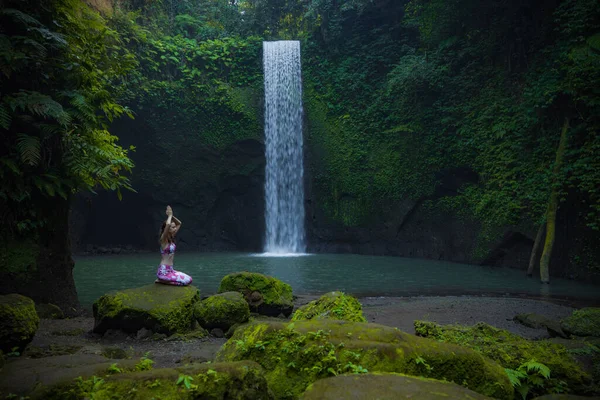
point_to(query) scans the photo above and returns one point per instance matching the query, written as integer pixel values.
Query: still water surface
(319, 273)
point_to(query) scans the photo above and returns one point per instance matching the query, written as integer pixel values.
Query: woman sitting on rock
(166, 274)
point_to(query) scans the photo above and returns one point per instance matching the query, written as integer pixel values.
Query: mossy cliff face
(297, 354)
(332, 305)
(216, 190)
(161, 308)
(18, 322)
(219, 381)
(222, 311)
(509, 350)
(387, 386)
(264, 294)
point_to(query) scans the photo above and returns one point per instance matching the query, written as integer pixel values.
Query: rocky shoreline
(73, 340)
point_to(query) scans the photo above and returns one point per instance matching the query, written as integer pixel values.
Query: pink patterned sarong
(168, 276)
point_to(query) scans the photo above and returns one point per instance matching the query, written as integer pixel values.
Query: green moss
(297, 354)
(188, 336)
(222, 311)
(332, 305)
(49, 311)
(584, 322)
(264, 294)
(386, 386)
(161, 308)
(18, 322)
(241, 380)
(509, 350)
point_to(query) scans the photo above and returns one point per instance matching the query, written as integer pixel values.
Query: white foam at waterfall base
(284, 171)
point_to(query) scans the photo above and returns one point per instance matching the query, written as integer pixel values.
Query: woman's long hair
(170, 237)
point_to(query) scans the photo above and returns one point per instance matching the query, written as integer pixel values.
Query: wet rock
(116, 353)
(584, 322)
(23, 375)
(161, 308)
(264, 294)
(332, 305)
(217, 333)
(49, 311)
(330, 347)
(508, 349)
(18, 322)
(218, 381)
(222, 311)
(387, 386)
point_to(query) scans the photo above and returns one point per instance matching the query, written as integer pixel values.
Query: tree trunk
(552, 207)
(46, 271)
(536, 249)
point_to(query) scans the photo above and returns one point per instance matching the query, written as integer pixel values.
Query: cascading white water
(284, 186)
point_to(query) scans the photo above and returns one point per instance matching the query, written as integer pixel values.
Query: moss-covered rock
(386, 386)
(510, 350)
(297, 354)
(584, 322)
(563, 397)
(265, 295)
(239, 380)
(332, 305)
(23, 375)
(18, 322)
(222, 311)
(49, 311)
(161, 308)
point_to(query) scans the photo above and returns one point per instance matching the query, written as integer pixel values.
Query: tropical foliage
(61, 67)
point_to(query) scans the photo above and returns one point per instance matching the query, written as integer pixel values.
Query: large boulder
(297, 354)
(332, 305)
(18, 322)
(510, 350)
(24, 375)
(387, 386)
(265, 295)
(216, 381)
(584, 322)
(222, 311)
(160, 308)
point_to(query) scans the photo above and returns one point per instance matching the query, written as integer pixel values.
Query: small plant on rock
(533, 377)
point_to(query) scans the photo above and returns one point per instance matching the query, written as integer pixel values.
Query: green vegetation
(332, 305)
(264, 294)
(515, 353)
(214, 381)
(18, 323)
(584, 322)
(222, 311)
(399, 95)
(296, 354)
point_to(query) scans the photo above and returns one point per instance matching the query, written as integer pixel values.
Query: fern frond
(39, 104)
(20, 16)
(29, 149)
(51, 36)
(41, 50)
(5, 117)
(514, 376)
(10, 164)
(49, 129)
(533, 365)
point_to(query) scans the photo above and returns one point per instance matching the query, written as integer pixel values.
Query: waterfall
(284, 186)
